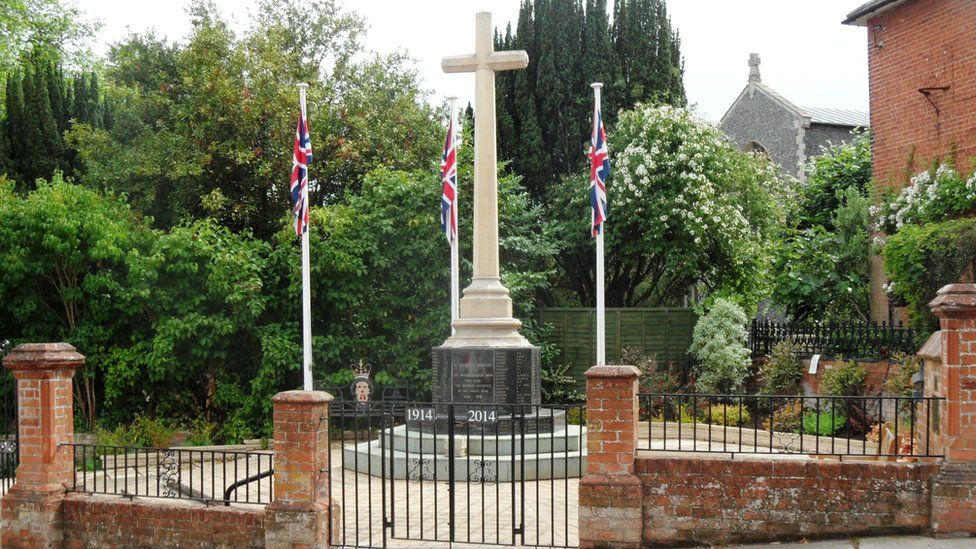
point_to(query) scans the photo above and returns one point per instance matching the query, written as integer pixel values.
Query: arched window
(756, 148)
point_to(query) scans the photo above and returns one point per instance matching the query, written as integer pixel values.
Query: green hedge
(920, 259)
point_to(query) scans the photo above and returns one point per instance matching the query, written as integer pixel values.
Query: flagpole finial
(596, 85)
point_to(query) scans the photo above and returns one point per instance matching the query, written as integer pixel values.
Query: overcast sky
(807, 55)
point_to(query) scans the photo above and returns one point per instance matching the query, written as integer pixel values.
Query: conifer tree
(547, 106)
(15, 127)
(80, 110)
(505, 100)
(55, 93)
(532, 158)
(44, 148)
(94, 107)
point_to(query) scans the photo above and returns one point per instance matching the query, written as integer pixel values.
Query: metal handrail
(233, 487)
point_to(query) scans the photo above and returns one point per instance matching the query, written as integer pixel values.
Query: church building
(763, 121)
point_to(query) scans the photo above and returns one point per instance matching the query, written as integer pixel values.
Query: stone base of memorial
(485, 423)
(404, 452)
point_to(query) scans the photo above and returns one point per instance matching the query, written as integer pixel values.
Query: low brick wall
(93, 521)
(704, 501)
(878, 372)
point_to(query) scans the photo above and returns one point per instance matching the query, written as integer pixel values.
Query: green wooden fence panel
(663, 331)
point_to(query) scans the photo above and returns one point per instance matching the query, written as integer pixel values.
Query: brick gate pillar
(31, 510)
(300, 513)
(610, 494)
(954, 488)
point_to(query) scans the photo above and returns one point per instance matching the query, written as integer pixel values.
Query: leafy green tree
(204, 129)
(64, 253)
(829, 175)
(686, 209)
(52, 27)
(199, 292)
(821, 271)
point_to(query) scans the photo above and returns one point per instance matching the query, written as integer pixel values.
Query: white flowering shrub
(685, 207)
(718, 342)
(682, 195)
(930, 196)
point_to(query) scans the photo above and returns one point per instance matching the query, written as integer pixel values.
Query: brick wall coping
(606, 370)
(932, 349)
(955, 300)
(302, 397)
(43, 356)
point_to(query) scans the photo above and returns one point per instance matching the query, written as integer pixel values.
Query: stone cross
(485, 298)
(754, 68)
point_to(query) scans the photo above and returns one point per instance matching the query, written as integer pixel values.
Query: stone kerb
(300, 513)
(610, 493)
(32, 510)
(954, 488)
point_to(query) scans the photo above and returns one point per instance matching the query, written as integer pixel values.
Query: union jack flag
(299, 174)
(599, 172)
(449, 182)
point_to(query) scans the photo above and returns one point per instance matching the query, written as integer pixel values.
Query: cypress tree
(637, 57)
(505, 101)
(55, 94)
(80, 108)
(532, 158)
(94, 101)
(15, 128)
(44, 148)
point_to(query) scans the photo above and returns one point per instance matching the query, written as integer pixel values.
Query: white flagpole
(455, 275)
(601, 336)
(306, 280)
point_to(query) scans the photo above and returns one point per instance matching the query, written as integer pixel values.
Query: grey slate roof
(837, 117)
(874, 7)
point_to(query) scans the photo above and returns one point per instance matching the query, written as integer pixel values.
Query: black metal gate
(406, 474)
(9, 447)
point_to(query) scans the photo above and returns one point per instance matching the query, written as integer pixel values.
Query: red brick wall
(704, 501)
(878, 371)
(91, 522)
(923, 43)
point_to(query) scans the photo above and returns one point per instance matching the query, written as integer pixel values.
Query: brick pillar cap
(606, 370)
(43, 356)
(302, 397)
(955, 300)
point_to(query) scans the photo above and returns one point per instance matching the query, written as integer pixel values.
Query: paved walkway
(420, 512)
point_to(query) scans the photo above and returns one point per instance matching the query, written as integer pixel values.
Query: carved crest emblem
(362, 386)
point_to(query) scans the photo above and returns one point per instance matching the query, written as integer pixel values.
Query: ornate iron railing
(850, 339)
(209, 476)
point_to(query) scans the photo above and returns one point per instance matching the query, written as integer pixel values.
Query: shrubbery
(718, 342)
(730, 415)
(920, 259)
(688, 208)
(844, 379)
(782, 371)
(821, 267)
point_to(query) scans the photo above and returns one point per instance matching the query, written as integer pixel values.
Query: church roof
(873, 8)
(837, 117)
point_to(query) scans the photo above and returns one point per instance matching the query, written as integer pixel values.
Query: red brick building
(922, 64)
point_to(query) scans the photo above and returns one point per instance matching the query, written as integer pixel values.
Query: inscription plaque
(478, 375)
